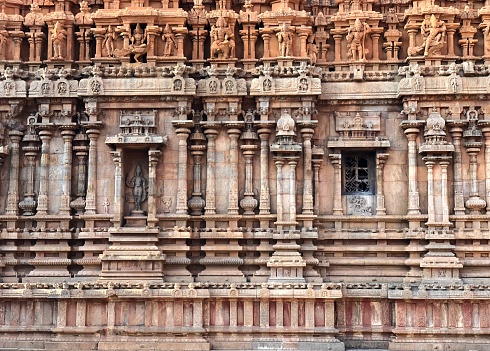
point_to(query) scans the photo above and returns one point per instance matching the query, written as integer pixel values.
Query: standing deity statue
(356, 40)
(434, 34)
(58, 37)
(169, 40)
(109, 39)
(139, 185)
(3, 41)
(313, 53)
(285, 39)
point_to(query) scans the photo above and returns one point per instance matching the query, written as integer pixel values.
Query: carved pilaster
(118, 190)
(210, 207)
(264, 206)
(13, 189)
(198, 140)
(234, 134)
(336, 160)
(182, 135)
(456, 130)
(67, 135)
(380, 197)
(93, 134)
(307, 134)
(153, 158)
(42, 205)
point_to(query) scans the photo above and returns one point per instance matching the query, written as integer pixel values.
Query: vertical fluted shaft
(336, 160)
(42, 203)
(380, 197)
(456, 133)
(307, 134)
(486, 133)
(118, 194)
(265, 204)
(233, 133)
(13, 189)
(430, 191)
(444, 192)
(182, 135)
(292, 192)
(153, 156)
(413, 192)
(210, 207)
(91, 207)
(67, 135)
(279, 191)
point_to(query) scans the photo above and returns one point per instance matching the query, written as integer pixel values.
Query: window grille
(359, 174)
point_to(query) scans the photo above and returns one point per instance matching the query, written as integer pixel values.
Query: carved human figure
(434, 34)
(223, 44)
(169, 40)
(109, 39)
(313, 53)
(356, 40)
(139, 185)
(138, 36)
(285, 39)
(58, 37)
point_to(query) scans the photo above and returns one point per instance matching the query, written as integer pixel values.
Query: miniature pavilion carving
(244, 175)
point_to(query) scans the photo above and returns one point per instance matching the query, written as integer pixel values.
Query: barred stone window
(359, 173)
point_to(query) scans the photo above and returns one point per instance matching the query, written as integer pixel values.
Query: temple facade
(245, 175)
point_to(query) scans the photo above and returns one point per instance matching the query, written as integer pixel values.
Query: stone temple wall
(258, 175)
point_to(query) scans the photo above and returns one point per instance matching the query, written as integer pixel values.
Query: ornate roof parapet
(214, 85)
(10, 85)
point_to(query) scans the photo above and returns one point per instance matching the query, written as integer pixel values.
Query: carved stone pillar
(249, 137)
(13, 189)
(118, 190)
(456, 130)
(412, 131)
(180, 33)
(380, 197)
(266, 36)
(28, 205)
(42, 200)
(181, 206)
(430, 191)
(338, 49)
(486, 134)
(67, 135)
(292, 192)
(99, 34)
(153, 157)
(91, 207)
(307, 134)
(444, 191)
(234, 134)
(318, 155)
(265, 205)
(336, 160)
(210, 207)
(279, 209)
(196, 203)
(79, 203)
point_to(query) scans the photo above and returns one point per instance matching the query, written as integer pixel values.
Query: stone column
(444, 192)
(153, 156)
(486, 134)
(28, 205)
(336, 160)
(79, 203)
(265, 205)
(380, 197)
(13, 189)
(234, 134)
(279, 191)
(67, 134)
(456, 131)
(292, 193)
(118, 189)
(375, 38)
(91, 206)
(316, 176)
(196, 203)
(248, 203)
(181, 206)
(42, 200)
(338, 49)
(430, 191)
(210, 208)
(307, 134)
(413, 189)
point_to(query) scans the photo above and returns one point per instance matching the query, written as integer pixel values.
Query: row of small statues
(223, 42)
